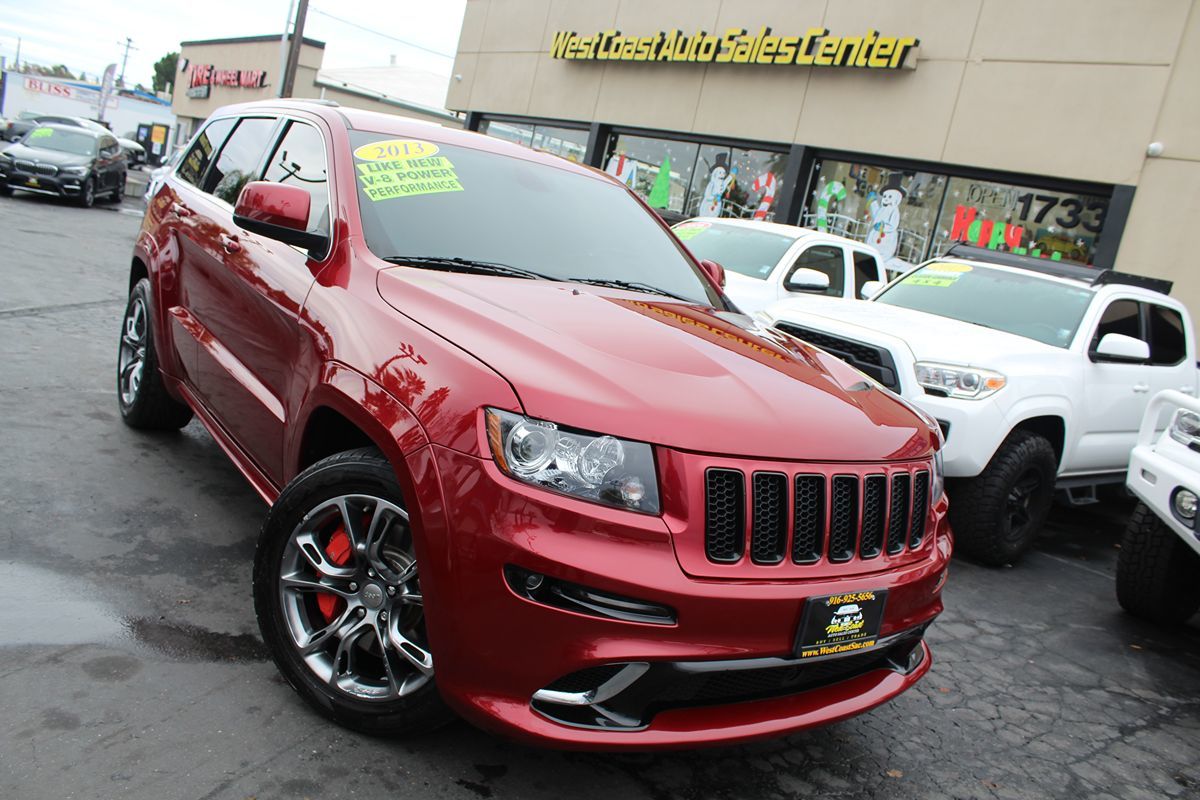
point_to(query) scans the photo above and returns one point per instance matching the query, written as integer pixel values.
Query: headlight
(602, 469)
(937, 484)
(78, 172)
(963, 382)
(1185, 428)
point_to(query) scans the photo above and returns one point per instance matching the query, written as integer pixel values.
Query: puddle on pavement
(41, 607)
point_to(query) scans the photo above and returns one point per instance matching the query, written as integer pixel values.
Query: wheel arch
(137, 271)
(1051, 427)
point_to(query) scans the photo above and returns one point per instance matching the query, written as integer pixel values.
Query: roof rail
(1060, 269)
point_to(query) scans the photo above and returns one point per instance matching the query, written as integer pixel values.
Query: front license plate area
(32, 182)
(839, 624)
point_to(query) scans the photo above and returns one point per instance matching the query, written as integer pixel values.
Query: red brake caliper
(338, 551)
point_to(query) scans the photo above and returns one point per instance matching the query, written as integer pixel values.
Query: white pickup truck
(767, 261)
(1158, 568)
(1037, 371)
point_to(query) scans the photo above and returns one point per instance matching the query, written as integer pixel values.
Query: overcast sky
(88, 35)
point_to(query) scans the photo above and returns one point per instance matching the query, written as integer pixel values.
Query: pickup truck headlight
(602, 469)
(966, 383)
(1185, 428)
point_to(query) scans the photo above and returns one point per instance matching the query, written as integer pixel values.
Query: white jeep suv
(1037, 372)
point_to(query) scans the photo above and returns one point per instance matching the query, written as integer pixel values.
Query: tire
(1158, 575)
(997, 515)
(87, 195)
(142, 395)
(6, 191)
(118, 193)
(330, 647)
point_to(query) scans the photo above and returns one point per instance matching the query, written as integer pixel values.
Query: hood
(44, 156)
(647, 368)
(928, 336)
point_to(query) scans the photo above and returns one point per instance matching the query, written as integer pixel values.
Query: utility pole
(293, 62)
(125, 59)
(283, 51)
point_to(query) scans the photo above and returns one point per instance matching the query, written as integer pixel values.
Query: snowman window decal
(720, 178)
(884, 212)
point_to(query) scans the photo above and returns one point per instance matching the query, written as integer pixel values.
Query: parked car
(766, 261)
(64, 161)
(1038, 372)
(1158, 567)
(159, 174)
(511, 472)
(15, 129)
(135, 154)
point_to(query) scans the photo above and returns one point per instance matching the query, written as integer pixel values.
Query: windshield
(422, 199)
(751, 252)
(80, 143)
(1015, 302)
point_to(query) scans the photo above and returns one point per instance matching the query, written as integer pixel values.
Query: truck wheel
(338, 597)
(1158, 575)
(997, 515)
(141, 393)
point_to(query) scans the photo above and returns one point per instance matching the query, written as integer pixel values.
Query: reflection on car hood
(928, 336)
(649, 368)
(45, 156)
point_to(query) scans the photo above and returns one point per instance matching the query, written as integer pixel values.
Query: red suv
(525, 462)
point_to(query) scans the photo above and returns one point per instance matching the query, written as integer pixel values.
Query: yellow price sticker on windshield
(395, 150)
(689, 230)
(385, 180)
(42, 133)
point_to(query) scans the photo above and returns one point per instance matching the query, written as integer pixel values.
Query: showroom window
(568, 143)
(910, 215)
(686, 179)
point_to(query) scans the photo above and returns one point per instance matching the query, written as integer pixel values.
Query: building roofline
(250, 40)
(371, 94)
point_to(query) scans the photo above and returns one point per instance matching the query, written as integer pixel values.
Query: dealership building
(1068, 129)
(217, 72)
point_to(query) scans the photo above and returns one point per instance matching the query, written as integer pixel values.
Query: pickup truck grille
(874, 361)
(834, 517)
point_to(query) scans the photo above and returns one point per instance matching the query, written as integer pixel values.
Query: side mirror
(807, 280)
(277, 211)
(1121, 348)
(870, 289)
(714, 271)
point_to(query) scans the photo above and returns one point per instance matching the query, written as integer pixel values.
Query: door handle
(1141, 388)
(180, 210)
(230, 243)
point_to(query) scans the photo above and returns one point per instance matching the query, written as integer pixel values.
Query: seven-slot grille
(816, 517)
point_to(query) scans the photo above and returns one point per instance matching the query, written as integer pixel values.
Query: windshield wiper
(636, 286)
(466, 265)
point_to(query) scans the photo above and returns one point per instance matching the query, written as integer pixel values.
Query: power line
(365, 29)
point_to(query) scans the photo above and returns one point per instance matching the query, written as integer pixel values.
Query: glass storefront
(910, 216)
(569, 143)
(686, 179)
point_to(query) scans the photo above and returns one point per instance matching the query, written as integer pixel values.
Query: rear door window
(299, 160)
(195, 163)
(1168, 342)
(240, 160)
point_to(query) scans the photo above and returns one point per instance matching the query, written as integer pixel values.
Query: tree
(164, 71)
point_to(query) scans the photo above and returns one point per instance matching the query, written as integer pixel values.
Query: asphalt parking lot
(130, 663)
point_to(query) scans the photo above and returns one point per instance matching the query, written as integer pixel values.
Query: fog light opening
(1183, 504)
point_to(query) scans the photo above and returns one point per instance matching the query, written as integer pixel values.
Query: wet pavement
(130, 663)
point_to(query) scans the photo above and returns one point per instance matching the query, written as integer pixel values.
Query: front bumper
(975, 429)
(1154, 477)
(57, 185)
(496, 650)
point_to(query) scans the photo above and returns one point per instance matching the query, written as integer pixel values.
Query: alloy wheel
(351, 600)
(1019, 505)
(132, 355)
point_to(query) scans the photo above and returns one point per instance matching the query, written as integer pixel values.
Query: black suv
(65, 162)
